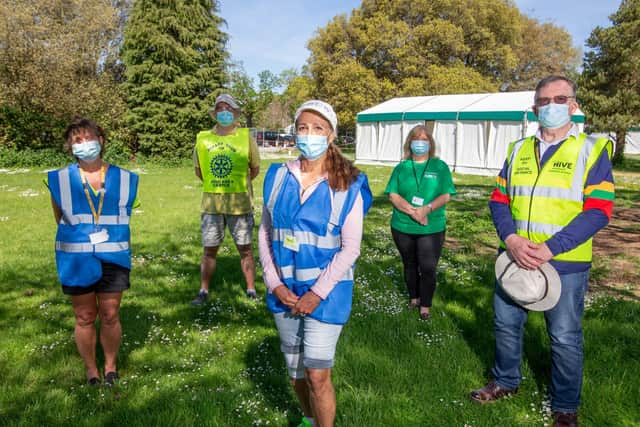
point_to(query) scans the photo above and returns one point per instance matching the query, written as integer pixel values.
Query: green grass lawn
(220, 364)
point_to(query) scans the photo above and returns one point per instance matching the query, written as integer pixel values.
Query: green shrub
(28, 158)
(21, 129)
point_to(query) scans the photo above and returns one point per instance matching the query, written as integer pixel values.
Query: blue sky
(272, 34)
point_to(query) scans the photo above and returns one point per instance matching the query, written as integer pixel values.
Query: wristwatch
(430, 206)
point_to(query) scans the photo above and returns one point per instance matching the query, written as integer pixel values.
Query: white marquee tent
(472, 131)
(632, 143)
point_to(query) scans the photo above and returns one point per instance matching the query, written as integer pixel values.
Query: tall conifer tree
(174, 52)
(609, 88)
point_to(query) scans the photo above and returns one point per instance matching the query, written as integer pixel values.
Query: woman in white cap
(419, 189)
(309, 240)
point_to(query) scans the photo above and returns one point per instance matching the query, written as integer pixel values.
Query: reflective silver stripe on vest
(581, 164)
(89, 248)
(104, 219)
(338, 200)
(124, 195)
(538, 227)
(554, 192)
(514, 152)
(306, 274)
(65, 198)
(328, 241)
(278, 180)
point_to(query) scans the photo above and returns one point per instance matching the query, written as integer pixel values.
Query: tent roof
(505, 106)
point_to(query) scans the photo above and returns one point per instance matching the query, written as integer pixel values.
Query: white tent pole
(455, 143)
(401, 135)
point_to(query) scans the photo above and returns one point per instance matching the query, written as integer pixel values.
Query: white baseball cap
(321, 108)
(537, 290)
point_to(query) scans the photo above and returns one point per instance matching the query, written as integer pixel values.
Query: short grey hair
(555, 78)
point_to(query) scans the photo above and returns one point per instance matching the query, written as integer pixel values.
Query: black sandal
(93, 381)
(110, 378)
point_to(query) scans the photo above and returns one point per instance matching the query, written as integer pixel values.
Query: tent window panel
(444, 133)
(632, 143)
(471, 144)
(389, 139)
(501, 134)
(367, 141)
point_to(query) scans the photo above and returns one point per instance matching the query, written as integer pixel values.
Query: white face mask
(87, 151)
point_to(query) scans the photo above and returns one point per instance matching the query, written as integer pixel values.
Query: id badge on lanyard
(417, 200)
(99, 236)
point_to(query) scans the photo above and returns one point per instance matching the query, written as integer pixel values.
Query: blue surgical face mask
(312, 147)
(419, 147)
(553, 116)
(87, 151)
(225, 118)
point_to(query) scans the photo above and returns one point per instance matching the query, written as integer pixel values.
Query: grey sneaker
(202, 297)
(251, 294)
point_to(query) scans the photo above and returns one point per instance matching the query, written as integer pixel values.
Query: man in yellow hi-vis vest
(226, 159)
(554, 192)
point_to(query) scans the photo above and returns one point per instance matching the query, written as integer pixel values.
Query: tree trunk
(618, 155)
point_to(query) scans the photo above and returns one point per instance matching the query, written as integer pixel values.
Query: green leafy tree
(610, 83)
(389, 48)
(241, 87)
(174, 52)
(50, 57)
(260, 105)
(299, 87)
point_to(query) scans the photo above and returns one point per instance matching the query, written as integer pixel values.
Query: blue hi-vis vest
(316, 225)
(77, 259)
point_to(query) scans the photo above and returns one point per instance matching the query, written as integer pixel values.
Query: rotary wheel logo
(221, 166)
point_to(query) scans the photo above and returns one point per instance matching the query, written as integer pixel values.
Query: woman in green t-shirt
(419, 188)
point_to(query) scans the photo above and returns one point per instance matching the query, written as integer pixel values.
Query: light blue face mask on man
(312, 147)
(224, 117)
(87, 151)
(419, 147)
(553, 116)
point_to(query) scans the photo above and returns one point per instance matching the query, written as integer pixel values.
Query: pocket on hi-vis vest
(291, 243)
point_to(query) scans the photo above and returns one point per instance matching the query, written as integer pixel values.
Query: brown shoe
(565, 419)
(490, 393)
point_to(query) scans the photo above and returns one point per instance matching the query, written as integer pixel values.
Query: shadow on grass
(268, 372)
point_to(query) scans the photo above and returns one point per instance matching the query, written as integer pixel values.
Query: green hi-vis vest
(224, 161)
(543, 201)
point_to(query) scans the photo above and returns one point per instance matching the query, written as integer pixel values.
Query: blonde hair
(406, 148)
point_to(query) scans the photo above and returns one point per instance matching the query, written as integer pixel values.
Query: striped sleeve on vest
(599, 189)
(499, 205)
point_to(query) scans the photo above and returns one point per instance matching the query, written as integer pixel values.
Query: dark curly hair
(81, 125)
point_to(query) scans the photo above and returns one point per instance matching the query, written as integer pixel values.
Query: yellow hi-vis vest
(224, 161)
(543, 201)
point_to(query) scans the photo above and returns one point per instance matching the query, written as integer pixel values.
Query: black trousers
(420, 254)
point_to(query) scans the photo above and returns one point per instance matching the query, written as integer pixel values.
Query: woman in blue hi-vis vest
(309, 240)
(92, 203)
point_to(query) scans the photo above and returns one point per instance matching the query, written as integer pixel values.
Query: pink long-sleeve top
(351, 235)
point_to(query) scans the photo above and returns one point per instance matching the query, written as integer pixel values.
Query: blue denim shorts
(306, 342)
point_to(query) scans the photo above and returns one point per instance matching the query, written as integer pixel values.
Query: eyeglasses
(559, 99)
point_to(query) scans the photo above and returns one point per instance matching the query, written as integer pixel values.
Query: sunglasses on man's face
(560, 99)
